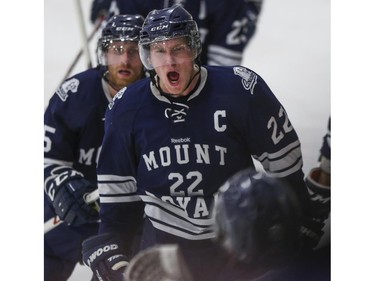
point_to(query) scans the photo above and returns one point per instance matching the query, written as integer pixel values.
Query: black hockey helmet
(119, 28)
(165, 24)
(257, 218)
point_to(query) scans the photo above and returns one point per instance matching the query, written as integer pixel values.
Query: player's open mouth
(124, 72)
(173, 77)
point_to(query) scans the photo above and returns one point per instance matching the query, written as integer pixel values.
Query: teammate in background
(171, 140)
(318, 182)
(226, 27)
(320, 177)
(74, 129)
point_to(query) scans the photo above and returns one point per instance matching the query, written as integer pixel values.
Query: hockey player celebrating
(173, 139)
(225, 27)
(74, 129)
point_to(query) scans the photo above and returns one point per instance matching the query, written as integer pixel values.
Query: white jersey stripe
(158, 208)
(278, 154)
(224, 51)
(289, 171)
(182, 234)
(119, 199)
(217, 55)
(115, 188)
(49, 161)
(110, 178)
(282, 164)
(157, 214)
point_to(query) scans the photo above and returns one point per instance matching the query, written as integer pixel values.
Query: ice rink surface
(290, 50)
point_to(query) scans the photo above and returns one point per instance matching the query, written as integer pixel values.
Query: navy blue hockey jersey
(225, 26)
(325, 150)
(74, 126)
(174, 154)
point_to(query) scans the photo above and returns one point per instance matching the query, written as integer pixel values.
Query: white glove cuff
(325, 165)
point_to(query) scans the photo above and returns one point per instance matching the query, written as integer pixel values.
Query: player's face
(124, 64)
(173, 61)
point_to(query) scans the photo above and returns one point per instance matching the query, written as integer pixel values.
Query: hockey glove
(320, 194)
(320, 207)
(311, 231)
(69, 202)
(103, 253)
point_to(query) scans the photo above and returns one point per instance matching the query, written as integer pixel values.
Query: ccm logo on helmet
(124, 28)
(100, 251)
(160, 27)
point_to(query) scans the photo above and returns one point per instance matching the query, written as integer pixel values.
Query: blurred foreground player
(257, 223)
(74, 129)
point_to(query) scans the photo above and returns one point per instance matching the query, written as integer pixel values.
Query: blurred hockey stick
(79, 54)
(159, 263)
(82, 28)
(90, 199)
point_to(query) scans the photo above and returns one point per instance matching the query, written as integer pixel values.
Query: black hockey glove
(103, 253)
(99, 9)
(320, 208)
(311, 231)
(320, 195)
(69, 202)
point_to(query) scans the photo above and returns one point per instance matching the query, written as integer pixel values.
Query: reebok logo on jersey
(180, 140)
(249, 78)
(70, 85)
